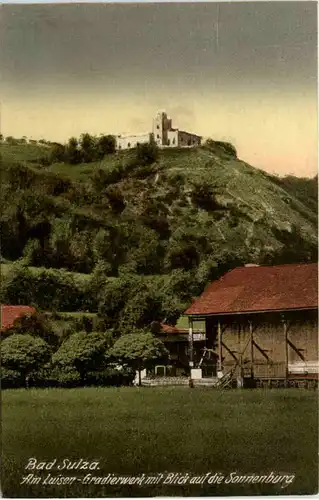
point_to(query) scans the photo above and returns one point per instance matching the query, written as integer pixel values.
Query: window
(120, 147)
(174, 140)
(157, 126)
(168, 142)
(128, 144)
(189, 142)
(160, 370)
(157, 136)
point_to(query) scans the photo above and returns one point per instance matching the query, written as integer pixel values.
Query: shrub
(10, 379)
(83, 352)
(24, 353)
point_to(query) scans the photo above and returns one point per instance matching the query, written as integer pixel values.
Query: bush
(24, 353)
(111, 376)
(10, 379)
(221, 148)
(36, 325)
(47, 290)
(147, 153)
(83, 352)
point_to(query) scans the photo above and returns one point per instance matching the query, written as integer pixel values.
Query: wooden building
(176, 341)
(261, 324)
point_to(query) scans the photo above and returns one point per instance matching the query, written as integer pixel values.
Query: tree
(138, 350)
(16, 286)
(141, 308)
(83, 352)
(72, 152)
(35, 324)
(88, 147)
(105, 145)
(57, 153)
(24, 354)
(147, 153)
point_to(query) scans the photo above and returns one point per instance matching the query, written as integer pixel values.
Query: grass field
(131, 431)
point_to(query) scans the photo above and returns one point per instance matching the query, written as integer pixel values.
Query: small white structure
(196, 374)
(137, 379)
(162, 133)
(132, 141)
(303, 367)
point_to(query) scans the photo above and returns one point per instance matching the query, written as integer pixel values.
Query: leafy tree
(72, 153)
(58, 153)
(105, 145)
(138, 350)
(17, 286)
(141, 307)
(24, 353)
(35, 324)
(87, 145)
(112, 298)
(84, 352)
(203, 197)
(32, 253)
(11, 140)
(182, 254)
(115, 198)
(147, 153)
(143, 249)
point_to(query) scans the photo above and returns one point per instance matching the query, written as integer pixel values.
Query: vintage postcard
(159, 265)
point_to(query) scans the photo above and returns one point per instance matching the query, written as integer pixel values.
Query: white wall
(131, 141)
(172, 136)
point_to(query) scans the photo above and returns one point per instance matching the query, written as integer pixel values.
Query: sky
(239, 72)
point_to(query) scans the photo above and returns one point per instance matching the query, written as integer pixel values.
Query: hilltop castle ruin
(162, 133)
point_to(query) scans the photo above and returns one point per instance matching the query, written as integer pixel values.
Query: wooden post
(251, 332)
(190, 350)
(286, 345)
(220, 347)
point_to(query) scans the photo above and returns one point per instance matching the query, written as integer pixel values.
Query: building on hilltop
(162, 133)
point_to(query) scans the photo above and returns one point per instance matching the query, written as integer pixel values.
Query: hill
(148, 235)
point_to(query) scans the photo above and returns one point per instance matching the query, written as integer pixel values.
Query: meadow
(131, 431)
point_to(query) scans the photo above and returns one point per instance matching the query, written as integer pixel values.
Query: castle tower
(161, 124)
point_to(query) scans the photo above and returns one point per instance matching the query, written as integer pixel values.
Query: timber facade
(261, 326)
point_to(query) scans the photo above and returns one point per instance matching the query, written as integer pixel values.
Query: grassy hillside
(175, 223)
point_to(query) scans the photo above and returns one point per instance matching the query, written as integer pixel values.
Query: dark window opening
(128, 144)
(157, 126)
(168, 142)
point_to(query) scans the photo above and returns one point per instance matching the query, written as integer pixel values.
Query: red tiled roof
(260, 288)
(10, 313)
(172, 330)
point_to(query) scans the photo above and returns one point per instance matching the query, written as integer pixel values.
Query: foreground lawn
(131, 431)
